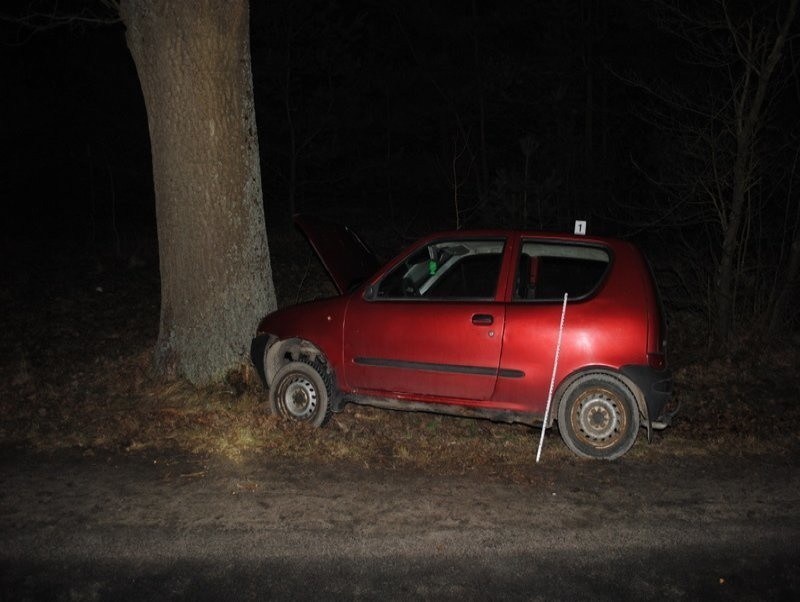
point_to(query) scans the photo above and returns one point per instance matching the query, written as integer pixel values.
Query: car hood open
(347, 259)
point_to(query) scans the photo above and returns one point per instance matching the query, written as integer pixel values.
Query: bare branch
(43, 16)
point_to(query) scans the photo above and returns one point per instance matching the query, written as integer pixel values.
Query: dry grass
(75, 373)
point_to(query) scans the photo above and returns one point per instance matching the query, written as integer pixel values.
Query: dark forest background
(405, 117)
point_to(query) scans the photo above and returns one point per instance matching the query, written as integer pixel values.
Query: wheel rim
(599, 418)
(299, 397)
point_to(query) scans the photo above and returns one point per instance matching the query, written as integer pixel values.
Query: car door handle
(482, 319)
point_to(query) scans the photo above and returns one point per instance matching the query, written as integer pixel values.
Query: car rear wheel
(598, 417)
(302, 391)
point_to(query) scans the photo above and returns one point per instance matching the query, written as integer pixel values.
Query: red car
(468, 323)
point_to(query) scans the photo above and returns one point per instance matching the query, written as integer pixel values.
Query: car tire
(302, 390)
(598, 417)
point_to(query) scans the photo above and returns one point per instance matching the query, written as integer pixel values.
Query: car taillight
(657, 361)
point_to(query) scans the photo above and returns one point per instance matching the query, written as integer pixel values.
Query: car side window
(447, 270)
(545, 271)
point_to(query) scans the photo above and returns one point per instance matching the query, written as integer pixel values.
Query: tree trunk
(749, 120)
(779, 310)
(589, 192)
(193, 61)
(483, 175)
(725, 279)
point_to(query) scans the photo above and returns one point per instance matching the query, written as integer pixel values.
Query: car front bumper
(258, 348)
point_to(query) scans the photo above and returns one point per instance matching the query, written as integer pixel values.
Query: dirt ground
(75, 345)
(112, 478)
(100, 525)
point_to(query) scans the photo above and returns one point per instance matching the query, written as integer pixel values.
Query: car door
(433, 326)
(547, 270)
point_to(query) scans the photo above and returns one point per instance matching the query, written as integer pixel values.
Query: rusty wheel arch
(584, 372)
(280, 352)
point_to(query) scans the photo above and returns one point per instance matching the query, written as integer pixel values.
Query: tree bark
(193, 62)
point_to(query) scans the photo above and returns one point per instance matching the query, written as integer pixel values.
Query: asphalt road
(146, 527)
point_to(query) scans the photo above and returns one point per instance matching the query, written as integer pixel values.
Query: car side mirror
(370, 292)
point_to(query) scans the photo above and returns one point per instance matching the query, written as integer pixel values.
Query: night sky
(532, 103)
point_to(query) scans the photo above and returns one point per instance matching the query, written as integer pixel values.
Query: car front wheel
(302, 391)
(598, 417)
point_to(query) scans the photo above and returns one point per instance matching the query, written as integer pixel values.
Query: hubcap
(300, 398)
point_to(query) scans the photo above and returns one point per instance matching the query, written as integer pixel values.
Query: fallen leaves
(86, 384)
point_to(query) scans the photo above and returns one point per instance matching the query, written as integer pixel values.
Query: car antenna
(553, 377)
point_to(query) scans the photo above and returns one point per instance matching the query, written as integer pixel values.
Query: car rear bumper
(655, 385)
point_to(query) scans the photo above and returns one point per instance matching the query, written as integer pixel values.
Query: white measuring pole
(553, 377)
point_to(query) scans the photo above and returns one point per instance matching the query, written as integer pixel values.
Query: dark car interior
(548, 278)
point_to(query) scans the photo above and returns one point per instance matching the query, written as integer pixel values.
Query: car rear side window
(447, 270)
(546, 271)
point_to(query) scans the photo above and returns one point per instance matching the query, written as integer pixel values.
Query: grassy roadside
(74, 374)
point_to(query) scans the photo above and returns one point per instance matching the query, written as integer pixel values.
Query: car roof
(509, 233)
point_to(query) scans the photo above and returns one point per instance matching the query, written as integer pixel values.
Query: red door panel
(447, 349)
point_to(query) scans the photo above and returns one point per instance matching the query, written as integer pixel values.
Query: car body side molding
(434, 367)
